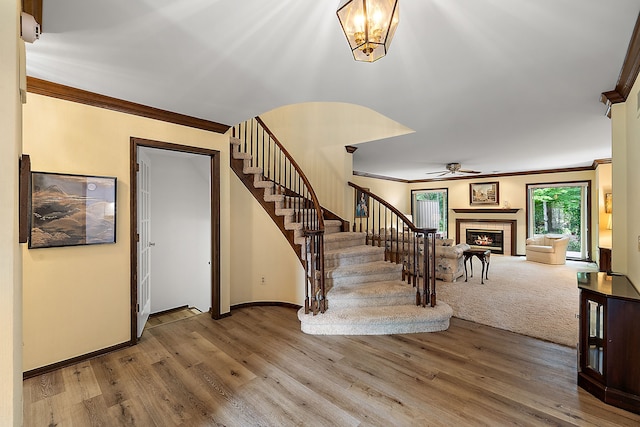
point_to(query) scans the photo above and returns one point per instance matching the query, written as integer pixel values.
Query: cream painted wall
(77, 299)
(625, 119)
(394, 192)
(10, 252)
(319, 148)
(260, 250)
(512, 190)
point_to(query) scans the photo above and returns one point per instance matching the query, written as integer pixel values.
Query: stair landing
(382, 320)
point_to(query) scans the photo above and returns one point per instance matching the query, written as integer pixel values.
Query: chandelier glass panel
(369, 26)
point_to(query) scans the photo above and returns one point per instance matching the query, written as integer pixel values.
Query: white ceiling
(497, 85)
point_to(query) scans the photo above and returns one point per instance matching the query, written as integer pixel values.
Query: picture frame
(608, 202)
(362, 204)
(484, 193)
(72, 210)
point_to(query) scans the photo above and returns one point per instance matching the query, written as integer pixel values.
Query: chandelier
(369, 26)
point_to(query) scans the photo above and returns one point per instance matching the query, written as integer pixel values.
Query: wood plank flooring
(256, 368)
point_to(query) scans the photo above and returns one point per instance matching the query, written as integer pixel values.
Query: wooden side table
(484, 255)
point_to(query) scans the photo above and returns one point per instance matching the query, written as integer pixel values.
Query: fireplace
(506, 226)
(486, 239)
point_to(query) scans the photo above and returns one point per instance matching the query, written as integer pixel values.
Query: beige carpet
(529, 298)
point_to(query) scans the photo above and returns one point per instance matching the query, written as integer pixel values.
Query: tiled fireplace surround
(507, 226)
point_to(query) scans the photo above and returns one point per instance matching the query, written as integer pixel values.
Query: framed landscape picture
(484, 193)
(71, 210)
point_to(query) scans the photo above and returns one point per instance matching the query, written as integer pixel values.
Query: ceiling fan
(453, 168)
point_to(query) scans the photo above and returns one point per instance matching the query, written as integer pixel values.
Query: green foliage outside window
(557, 210)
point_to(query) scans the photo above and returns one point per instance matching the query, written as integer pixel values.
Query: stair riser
(341, 244)
(356, 280)
(376, 329)
(371, 302)
(332, 229)
(352, 260)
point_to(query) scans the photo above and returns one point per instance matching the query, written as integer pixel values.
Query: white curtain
(427, 214)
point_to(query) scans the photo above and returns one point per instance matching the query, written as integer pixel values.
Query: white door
(144, 244)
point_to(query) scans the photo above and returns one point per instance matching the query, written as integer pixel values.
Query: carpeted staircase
(364, 292)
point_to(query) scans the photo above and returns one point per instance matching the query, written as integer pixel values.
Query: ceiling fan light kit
(454, 168)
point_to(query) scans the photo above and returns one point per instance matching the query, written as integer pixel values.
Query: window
(561, 208)
(429, 209)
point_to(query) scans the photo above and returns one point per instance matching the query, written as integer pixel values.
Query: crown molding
(628, 73)
(33, 8)
(67, 93)
(382, 177)
(593, 166)
(598, 162)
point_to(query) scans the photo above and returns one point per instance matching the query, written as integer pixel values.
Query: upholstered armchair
(547, 249)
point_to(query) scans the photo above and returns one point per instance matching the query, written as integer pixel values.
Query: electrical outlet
(262, 281)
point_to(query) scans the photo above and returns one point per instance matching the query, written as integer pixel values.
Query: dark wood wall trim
(67, 93)
(33, 8)
(24, 208)
(215, 222)
(385, 178)
(266, 304)
(588, 203)
(69, 362)
(593, 166)
(628, 73)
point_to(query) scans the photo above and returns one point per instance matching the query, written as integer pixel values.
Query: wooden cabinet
(605, 259)
(609, 347)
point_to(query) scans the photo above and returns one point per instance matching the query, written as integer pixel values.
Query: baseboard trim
(65, 363)
(265, 304)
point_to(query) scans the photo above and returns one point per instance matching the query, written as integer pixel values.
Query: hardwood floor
(257, 368)
(170, 316)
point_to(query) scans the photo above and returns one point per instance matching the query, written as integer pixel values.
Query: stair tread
(371, 290)
(352, 251)
(346, 235)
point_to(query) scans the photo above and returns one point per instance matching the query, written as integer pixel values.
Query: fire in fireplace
(486, 239)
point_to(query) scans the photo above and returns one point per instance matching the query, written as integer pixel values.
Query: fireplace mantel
(485, 210)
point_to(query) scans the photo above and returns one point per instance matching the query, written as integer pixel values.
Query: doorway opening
(140, 239)
(561, 208)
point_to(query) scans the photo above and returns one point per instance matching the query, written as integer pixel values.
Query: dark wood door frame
(215, 222)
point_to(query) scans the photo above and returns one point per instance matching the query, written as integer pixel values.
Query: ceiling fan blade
(430, 173)
(468, 171)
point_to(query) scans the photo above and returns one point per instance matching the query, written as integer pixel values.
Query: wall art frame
(362, 204)
(72, 210)
(484, 193)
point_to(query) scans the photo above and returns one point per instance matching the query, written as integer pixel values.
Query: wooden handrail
(402, 250)
(278, 166)
(298, 169)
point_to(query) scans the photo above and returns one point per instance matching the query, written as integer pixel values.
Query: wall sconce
(369, 26)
